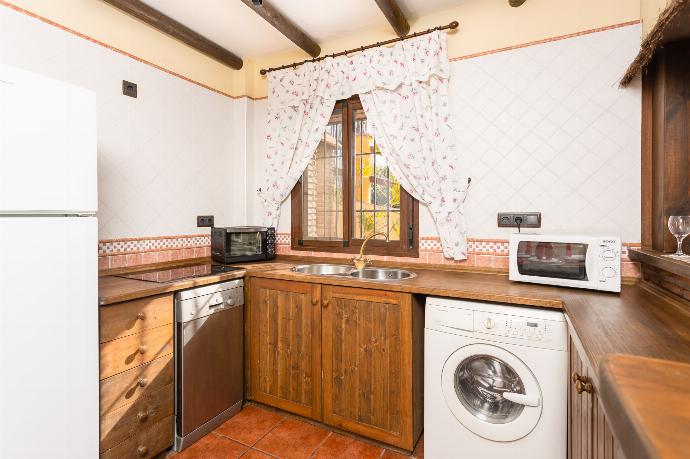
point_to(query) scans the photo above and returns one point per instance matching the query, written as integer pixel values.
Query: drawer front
(122, 354)
(132, 317)
(144, 444)
(122, 423)
(128, 387)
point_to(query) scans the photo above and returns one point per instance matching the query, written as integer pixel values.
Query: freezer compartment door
(47, 144)
(49, 337)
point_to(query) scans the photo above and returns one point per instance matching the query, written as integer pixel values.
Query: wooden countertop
(648, 405)
(434, 282)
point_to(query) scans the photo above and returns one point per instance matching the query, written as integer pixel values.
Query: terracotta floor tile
(292, 439)
(254, 454)
(419, 450)
(249, 425)
(213, 447)
(339, 446)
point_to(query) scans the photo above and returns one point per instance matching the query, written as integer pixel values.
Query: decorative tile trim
(140, 245)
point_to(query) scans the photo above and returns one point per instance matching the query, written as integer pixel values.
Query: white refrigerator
(49, 390)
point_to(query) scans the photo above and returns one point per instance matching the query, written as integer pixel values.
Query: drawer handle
(143, 382)
(142, 416)
(142, 451)
(141, 316)
(143, 349)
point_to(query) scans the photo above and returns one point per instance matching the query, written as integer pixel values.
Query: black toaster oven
(243, 243)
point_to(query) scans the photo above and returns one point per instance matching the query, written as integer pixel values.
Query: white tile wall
(546, 128)
(541, 128)
(163, 158)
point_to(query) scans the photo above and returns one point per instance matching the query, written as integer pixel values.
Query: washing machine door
(491, 392)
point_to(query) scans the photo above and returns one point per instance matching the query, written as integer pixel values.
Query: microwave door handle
(591, 263)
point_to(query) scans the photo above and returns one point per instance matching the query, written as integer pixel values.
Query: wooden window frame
(407, 246)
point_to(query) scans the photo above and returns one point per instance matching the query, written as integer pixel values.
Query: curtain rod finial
(454, 25)
(262, 71)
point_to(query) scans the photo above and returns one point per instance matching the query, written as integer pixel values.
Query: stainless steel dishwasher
(209, 334)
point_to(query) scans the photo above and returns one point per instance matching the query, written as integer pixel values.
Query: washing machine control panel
(511, 326)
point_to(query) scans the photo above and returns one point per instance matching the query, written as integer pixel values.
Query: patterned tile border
(129, 252)
(217, 91)
(482, 253)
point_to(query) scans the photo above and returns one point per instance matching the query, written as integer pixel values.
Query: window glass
(322, 186)
(376, 190)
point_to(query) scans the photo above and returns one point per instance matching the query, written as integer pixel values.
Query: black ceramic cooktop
(176, 274)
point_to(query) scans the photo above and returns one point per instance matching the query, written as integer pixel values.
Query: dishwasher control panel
(203, 301)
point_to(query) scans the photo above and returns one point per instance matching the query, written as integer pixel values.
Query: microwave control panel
(609, 259)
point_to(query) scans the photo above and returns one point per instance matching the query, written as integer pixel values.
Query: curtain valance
(338, 78)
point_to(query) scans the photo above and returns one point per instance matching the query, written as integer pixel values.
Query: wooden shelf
(661, 260)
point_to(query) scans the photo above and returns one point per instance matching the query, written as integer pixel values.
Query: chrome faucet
(361, 261)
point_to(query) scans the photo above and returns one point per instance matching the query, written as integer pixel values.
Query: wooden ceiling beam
(285, 26)
(395, 16)
(171, 27)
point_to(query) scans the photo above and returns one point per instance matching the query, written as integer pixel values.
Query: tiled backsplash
(125, 253)
(482, 253)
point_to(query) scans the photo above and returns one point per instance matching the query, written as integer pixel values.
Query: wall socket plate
(204, 221)
(129, 88)
(526, 219)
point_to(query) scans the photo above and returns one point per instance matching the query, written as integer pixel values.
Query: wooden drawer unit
(128, 420)
(146, 443)
(136, 371)
(132, 317)
(125, 388)
(124, 353)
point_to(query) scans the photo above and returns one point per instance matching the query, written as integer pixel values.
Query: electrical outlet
(204, 221)
(519, 219)
(129, 89)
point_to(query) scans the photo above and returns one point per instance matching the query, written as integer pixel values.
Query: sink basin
(323, 269)
(382, 274)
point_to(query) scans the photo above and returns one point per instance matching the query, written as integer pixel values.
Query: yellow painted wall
(484, 25)
(103, 22)
(649, 11)
(487, 25)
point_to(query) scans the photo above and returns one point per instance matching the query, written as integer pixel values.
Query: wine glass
(679, 225)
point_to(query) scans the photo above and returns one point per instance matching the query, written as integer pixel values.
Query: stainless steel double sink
(379, 274)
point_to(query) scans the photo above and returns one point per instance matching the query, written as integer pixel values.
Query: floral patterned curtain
(404, 92)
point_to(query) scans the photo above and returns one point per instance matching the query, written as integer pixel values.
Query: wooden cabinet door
(589, 434)
(367, 363)
(285, 345)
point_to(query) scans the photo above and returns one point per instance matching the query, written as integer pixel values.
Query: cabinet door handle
(581, 387)
(142, 416)
(314, 301)
(325, 304)
(142, 451)
(143, 382)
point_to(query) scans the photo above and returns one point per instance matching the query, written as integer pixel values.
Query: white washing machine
(495, 381)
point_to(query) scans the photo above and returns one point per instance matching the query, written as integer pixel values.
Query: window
(348, 192)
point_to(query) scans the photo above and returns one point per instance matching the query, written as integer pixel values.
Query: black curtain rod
(452, 25)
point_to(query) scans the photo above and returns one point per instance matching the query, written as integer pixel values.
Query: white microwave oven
(590, 262)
